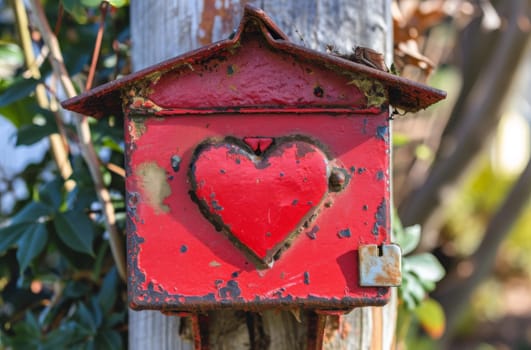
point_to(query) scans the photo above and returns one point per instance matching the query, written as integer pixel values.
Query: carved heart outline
(260, 201)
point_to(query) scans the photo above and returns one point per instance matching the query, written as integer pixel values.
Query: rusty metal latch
(380, 266)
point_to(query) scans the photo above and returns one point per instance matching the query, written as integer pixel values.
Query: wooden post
(162, 29)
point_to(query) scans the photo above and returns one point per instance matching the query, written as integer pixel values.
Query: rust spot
(154, 183)
(390, 275)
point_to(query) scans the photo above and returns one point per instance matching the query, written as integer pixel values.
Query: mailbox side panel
(179, 261)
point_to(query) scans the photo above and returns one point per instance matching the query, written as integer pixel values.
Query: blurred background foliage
(461, 177)
(60, 287)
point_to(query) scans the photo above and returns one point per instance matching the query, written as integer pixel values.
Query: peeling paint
(373, 90)
(154, 183)
(231, 290)
(312, 234)
(306, 277)
(380, 217)
(344, 233)
(382, 132)
(139, 127)
(214, 263)
(175, 162)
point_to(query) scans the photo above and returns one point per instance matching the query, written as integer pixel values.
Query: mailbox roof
(403, 93)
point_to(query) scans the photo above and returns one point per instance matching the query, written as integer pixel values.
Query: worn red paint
(259, 200)
(259, 99)
(258, 144)
(216, 270)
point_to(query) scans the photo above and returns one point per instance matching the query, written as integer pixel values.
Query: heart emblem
(259, 199)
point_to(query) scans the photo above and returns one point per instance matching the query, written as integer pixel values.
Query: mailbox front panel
(254, 211)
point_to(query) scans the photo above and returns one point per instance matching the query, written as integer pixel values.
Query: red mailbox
(258, 175)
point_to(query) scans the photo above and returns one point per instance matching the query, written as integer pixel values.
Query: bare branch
(57, 146)
(85, 139)
(97, 46)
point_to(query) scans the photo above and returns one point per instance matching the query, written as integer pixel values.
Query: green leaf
(76, 9)
(97, 314)
(112, 144)
(31, 243)
(27, 333)
(412, 290)
(75, 289)
(431, 317)
(9, 235)
(119, 3)
(113, 320)
(85, 318)
(75, 229)
(30, 134)
(108, 339)
(428, 285)
(42, 124)
(91, 3)
(108, 291)
(18, 90)
(20, 112)
(408, 238)
(11, 55)
(425, 266)
(60, 338)
(81, 197)
(51, 193)
(31, 212)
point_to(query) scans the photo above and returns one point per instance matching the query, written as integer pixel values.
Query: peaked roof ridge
(106, 99)
(262, 17)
